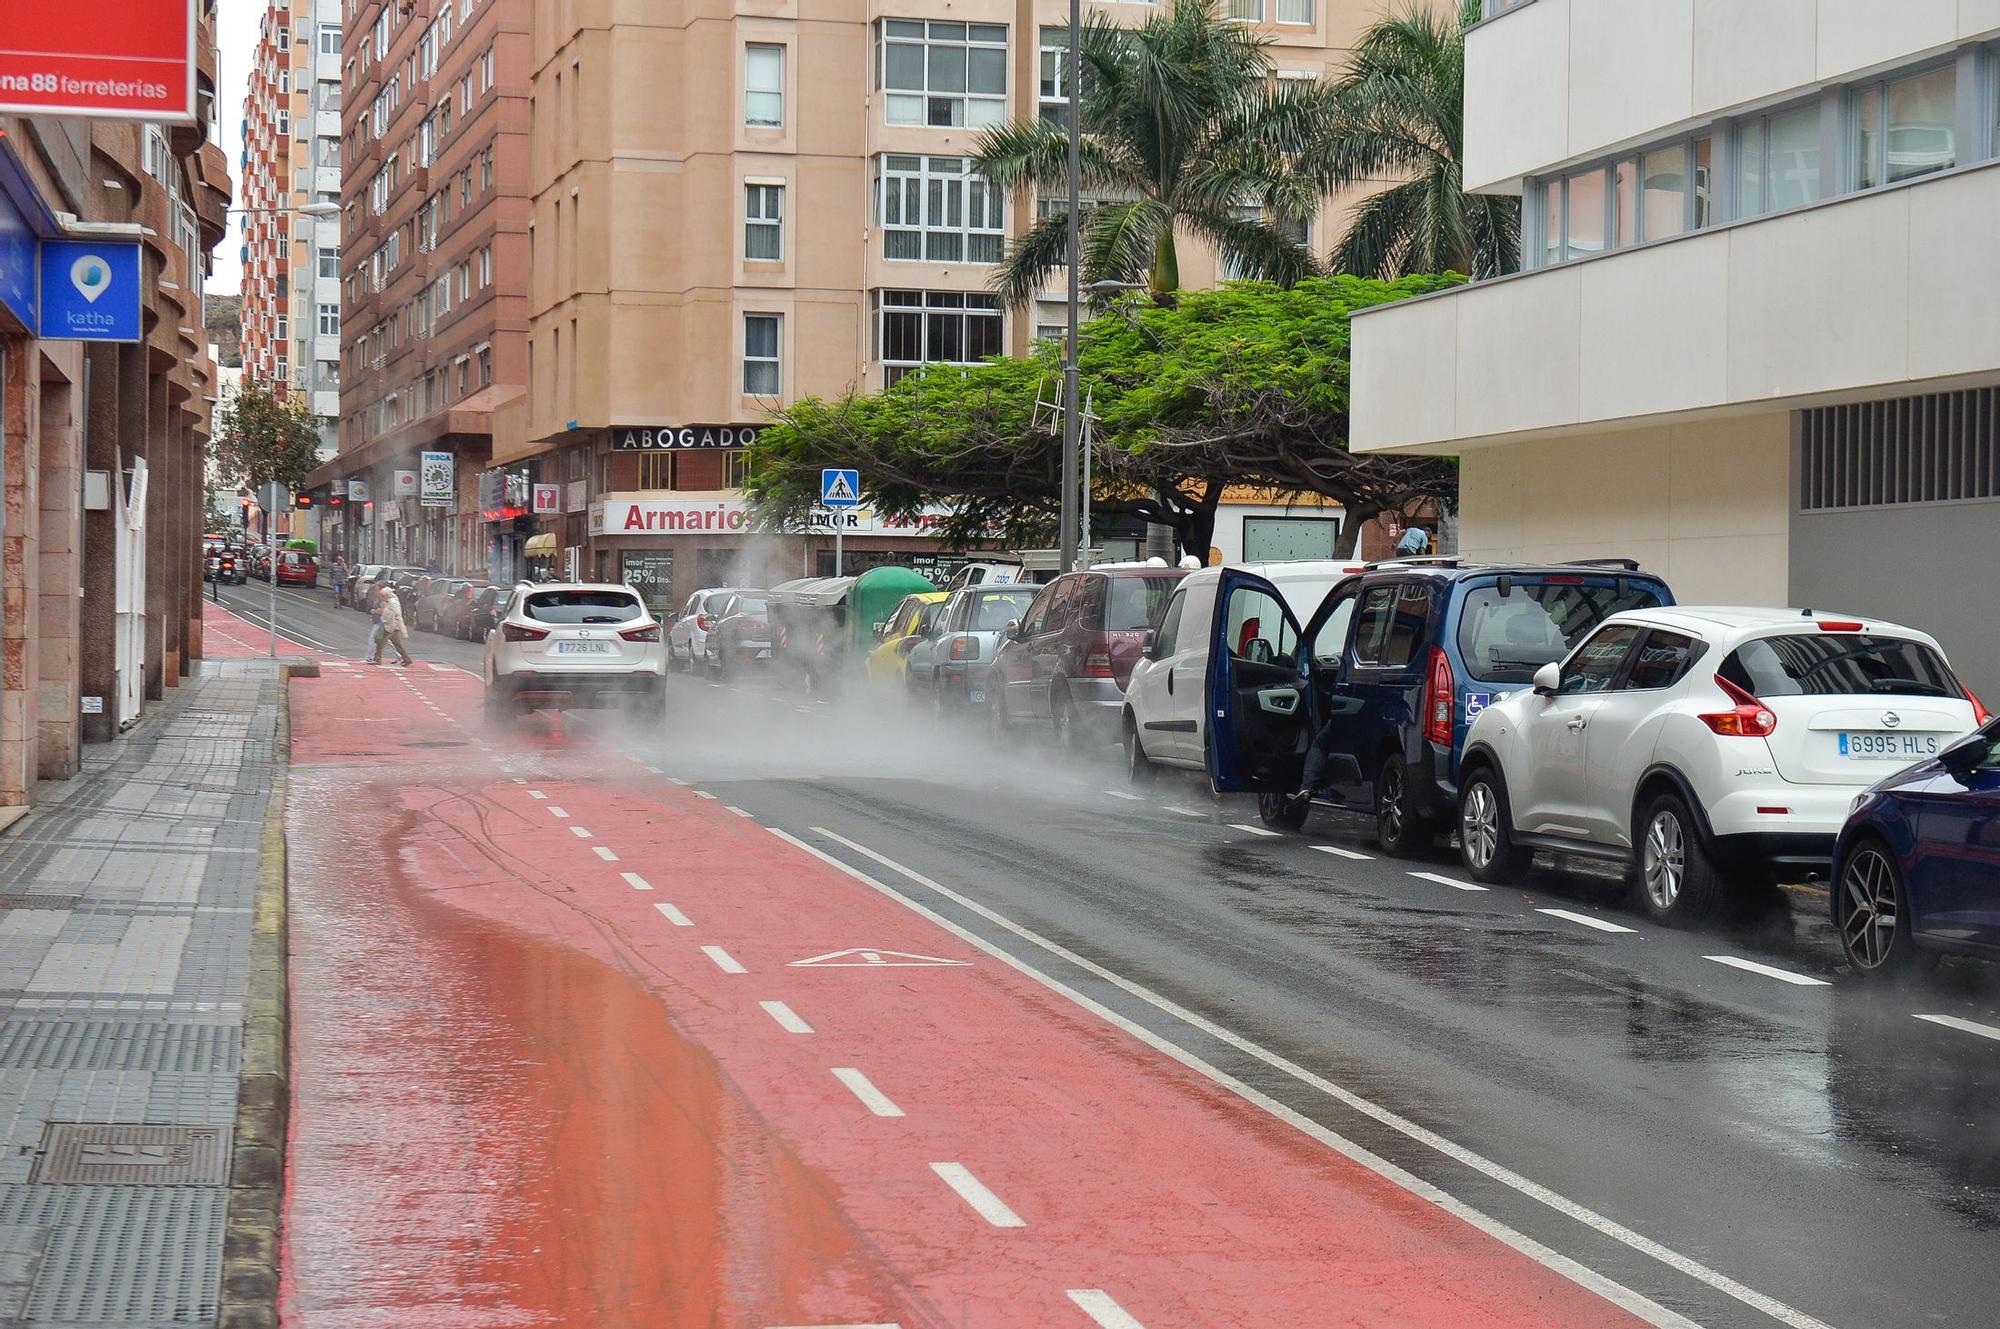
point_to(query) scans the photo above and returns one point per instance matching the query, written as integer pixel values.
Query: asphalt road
(1723, 1120)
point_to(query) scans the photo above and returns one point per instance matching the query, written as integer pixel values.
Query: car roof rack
(1417, 561)
(1629, 564)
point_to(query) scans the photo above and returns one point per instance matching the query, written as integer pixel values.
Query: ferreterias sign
(129, 59)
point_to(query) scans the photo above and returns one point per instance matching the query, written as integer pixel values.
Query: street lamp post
(1071, 424)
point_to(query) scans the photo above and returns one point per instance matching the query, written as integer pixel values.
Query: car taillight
(1750, 719)
(1097, 662)
(515, 632)
(1980, 715)
(701, 621)
(1839, 625)
(963, 648)
(759, 625)
(1440, 698)
(651, 632)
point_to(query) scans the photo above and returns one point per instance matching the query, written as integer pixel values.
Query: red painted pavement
(225, 636)
(523, 1096)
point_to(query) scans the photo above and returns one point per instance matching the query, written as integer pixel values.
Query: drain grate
(184, 1048)
(97, 1154)
(117, 1255)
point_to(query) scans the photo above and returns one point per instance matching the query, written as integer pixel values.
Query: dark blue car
(1403, 656)
(1917, 868)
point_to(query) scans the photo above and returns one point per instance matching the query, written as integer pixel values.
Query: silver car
(568, 645)
(948, 668)
(687, 640)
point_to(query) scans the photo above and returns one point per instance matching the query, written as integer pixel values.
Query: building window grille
(944, 74)
(1939, 448)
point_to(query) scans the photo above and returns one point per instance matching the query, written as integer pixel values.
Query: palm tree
(1399, 114)
(1184, 129)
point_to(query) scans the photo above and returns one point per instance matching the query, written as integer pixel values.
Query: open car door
(1258, 708)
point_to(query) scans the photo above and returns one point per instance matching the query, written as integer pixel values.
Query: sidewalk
(126, 902)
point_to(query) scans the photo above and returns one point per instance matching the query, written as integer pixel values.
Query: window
(1506, 638)
(763, 84)
(329, 39)
(656, 470)
(1598, 662)
(1777, 161)
(1258, 630)
(1055, 75)
(764, 222)
(284, 327)
(485, 365)
(936, 209)
(945, 74)
(485, 267)
(923, 327)
(735, 468)
(284, 80)
(1247, 11)
(761, 376)
(1661, 660)
(1295, 11)
(1904, 128)
(284, 36)
(329, 320)
(1389, 628)
(1661, 192)
(329, 263)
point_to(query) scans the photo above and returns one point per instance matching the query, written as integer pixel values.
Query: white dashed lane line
(787, 1018)
(703, 793)
(971, 1190)
(1769, 971)
(1183, 811)
(673, 915)
(724, 961)
(636, 882)
(1443, 880)
(557, 812)
(1105, 1312)
(1120, 793)
(738, 811)
(871, 1098)
(1249, 829)
(581, 833)
(1338, 852)
(1586, 920)
(1963, 1026)
(604, 853)
(538, 794)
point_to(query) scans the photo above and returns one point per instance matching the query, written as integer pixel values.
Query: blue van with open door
(1387, 675)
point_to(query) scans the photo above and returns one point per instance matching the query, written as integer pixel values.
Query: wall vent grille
(1931, 449)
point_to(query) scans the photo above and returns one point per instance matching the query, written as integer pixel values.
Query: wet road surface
(1740, 1145)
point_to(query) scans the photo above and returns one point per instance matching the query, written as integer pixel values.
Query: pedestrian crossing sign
(839, 489)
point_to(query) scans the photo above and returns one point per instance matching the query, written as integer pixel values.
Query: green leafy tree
(261, 438)
(1184, 128)
(1399, 114)
(1246, 385)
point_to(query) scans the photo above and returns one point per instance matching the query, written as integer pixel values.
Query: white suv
(566, 645)
(1703, 746)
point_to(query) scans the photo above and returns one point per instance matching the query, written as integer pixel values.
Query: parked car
(914, 619)
(740, 634)
(431, 599)
(360, 579)
(986, 574)
(1406, 655)
(409, 584)
(687, 638)
(374, 575)
(1165, 722)
(949, 668)
(483, 612)
(1916, 871)
(1706, 748)
(568, 645)
(1066, 663)
(455, 610)
(297, 568)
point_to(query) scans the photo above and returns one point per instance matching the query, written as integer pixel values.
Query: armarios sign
(129, 59)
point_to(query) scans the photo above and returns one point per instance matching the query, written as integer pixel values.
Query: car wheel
(1139, 768)
(998, 727)
(1874, 913)
(1397, 827)
(1677, 877)
(1282, 812)
(1485, 830)
(1062, 717)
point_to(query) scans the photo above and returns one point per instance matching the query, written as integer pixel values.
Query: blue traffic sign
(840, 489)
(90, 291)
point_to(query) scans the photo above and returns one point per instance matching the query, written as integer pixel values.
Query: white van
(1165, 721)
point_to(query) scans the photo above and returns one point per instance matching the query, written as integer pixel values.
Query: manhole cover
(94, 1154)
(439, 743)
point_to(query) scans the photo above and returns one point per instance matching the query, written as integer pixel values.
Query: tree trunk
(1165, 278)
(1349, 538)
(1196, 531)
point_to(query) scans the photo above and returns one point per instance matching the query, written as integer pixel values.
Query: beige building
(735, 209)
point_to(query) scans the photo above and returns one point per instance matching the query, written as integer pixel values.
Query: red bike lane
(573, 1045)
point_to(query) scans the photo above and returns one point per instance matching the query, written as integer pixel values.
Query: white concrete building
(1756, 341)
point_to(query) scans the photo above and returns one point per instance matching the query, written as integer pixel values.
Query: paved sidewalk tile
(124, 958)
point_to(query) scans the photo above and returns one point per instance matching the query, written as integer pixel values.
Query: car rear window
(990, 613)
(1839, 664)
(1133, 604)
(582, 607)
(746, 605)
(1506, 638)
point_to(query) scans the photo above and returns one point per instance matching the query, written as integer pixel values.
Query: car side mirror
(881, 631)
(1548, 679)
(1962, 758)
(1151, 648)
(1013, 630)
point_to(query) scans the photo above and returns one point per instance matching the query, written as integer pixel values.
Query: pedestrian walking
(339, 578)
(389, 628)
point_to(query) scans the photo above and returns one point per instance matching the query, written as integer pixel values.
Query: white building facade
(1755, 343)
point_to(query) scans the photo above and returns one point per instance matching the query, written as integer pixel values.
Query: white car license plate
(976, 696)
(583, 648)
(1863, 746)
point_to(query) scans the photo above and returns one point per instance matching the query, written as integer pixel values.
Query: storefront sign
(404, 485)
(438, 487)
(665, 438)
(357, 491)
(90, 291)
(99, 57)
(548, 498)
(577, 497)
(668, 516)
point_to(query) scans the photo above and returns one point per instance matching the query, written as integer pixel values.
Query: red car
(297, 569)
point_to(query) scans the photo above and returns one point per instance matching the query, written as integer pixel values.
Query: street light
(316, 211)
(1066, 539)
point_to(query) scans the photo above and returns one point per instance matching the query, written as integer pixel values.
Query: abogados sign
(127, 59)
(668, 438)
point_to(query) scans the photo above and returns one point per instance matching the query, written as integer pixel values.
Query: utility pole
(1073, 70)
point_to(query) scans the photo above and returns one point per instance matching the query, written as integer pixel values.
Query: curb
(251, 1247)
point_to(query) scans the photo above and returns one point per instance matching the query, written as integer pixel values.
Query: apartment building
(291, 161)
(101, 443)
(1754, 343)
(735, 209)
(433, 271)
